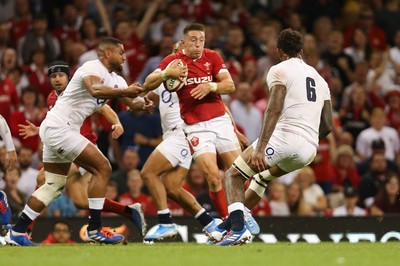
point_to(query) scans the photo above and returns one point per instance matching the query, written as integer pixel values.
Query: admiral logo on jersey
(198, 80)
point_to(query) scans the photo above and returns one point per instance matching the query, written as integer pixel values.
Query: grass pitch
(191, 254)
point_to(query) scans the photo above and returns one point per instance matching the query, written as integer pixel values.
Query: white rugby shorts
(61, 144)
(176, 149)
(214, 135)
(289, 150)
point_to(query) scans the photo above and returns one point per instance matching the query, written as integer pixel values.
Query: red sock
(115, 207)
(219, 201)
(30, 227)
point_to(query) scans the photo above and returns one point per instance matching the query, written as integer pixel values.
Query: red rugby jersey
(202, 70)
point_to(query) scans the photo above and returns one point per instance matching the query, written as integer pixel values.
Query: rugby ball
(172, 84)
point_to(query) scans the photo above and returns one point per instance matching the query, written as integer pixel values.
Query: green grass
(168, 254)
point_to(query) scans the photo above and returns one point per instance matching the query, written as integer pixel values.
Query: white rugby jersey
(306, 92)
(76, 103)
(169, 110)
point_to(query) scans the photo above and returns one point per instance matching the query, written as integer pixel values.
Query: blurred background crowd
(353, 44)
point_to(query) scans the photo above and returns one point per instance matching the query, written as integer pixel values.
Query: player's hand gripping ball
(173, 84)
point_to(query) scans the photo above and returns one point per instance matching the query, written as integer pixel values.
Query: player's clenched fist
(134, 90)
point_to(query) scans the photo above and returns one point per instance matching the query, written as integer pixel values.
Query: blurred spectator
(335, 57)
(63, 206)
(388, 19)
(349, 207)
(393, 109)
(135, 194)
(234, 44)
(19, 78)
(165, 47)
(89, 33)
(130, 160)
(394, 52)
(354, 116)
(322, 163)
(141, 129)
(20, 22)
(380, 77)
(38, 37)
(373, 180)
(9, 100)
(359, 49)
(4, 36)
(195, 181)
(346, 174)
(378, 130)
(360, 80)
(277, 199)
(37, 75)
(8, 60)
(29, 110)
(377, 146)
(387, 201)
(60, 234)
(245, 114)
(365, 22)
(16, 198)
(322, 29)
(297, 205)
(27, 183)
(200, 11)
(70, 24)
(312, 192)
(174, 17)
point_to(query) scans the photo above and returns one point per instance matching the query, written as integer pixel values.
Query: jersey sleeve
(218, 65)
(326, 93)
(90, 69)
(276, 76)
(164, 63)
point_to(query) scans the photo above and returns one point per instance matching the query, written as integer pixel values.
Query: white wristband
(213, 86)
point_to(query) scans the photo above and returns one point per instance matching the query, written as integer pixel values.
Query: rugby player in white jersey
(93, 83)
(9, 161)
(299, 113)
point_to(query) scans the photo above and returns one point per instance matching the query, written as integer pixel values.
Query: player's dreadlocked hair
(193, 26)
(291, 42)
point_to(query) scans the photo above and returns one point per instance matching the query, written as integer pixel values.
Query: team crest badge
(194, 141)
(207, 65)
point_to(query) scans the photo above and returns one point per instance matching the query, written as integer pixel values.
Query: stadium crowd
(353, 44)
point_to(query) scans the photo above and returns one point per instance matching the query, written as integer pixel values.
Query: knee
(51, 189)
(80, 203)
(214, 179)
(104, 169)
(147, 175)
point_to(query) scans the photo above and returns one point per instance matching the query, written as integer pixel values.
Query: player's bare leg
(96, 163)
(173, 184)
(155, 166)
(207, 162)
(56, 176)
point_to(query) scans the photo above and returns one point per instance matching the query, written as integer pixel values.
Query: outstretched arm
(271, 116)
(11, 156)
(95, 87)
(112, 118)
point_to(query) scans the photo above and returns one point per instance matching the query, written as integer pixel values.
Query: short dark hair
(105, 43)
(290, 42)
(193, 26)
(109, 41)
